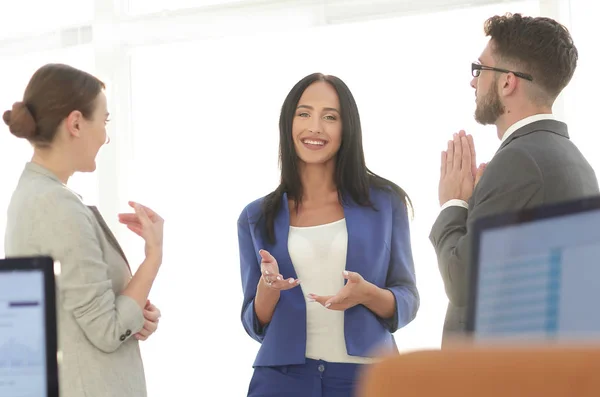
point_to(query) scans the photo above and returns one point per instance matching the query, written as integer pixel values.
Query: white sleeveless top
(318, 254)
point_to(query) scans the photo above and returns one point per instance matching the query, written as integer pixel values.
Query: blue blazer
(378, 249)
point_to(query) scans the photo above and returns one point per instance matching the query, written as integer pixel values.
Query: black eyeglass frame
(476, 69)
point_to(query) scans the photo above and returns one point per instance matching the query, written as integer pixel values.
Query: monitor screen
(539, 279)
(22, 334)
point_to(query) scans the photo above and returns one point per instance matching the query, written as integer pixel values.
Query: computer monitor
(535, 274)
(28, 337)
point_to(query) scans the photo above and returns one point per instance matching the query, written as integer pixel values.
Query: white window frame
(113, 33)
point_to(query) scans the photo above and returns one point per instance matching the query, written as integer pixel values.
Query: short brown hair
(54, 91)
(539, 46)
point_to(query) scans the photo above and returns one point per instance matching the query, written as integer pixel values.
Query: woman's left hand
(355, 292)
(152, 316)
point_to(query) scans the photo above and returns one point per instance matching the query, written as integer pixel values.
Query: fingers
(157, 310)
(460, 154)
(443, 164)
(144, 332)
(140, 337)
(142, 215)
(266, 256)
(479, 173)
(450, 156)
(457, 160)
(323, 300)
(351, 276)
(269, 267)
(128, 218)
(149, 212)
(131, 221)
(271, 276)
(473, 155)
(136, 229)
(149, 329)
(334, 302)
(284, 285)
(466, 155)
(152, 314)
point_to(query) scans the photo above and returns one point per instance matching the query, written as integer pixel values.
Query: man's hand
(458, 169)
(479, 172)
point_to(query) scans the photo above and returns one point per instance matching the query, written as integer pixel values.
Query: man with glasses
(522, 70)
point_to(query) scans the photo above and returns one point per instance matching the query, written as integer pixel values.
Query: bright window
(205, 117)
(582, 102)
(137, 7)
(31, 17)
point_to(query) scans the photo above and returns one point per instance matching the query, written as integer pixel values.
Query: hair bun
(20, 121)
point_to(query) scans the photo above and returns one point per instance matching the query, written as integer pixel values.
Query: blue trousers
(316, 378)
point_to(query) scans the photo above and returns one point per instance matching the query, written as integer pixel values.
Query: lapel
(109, 235)
(553, 126)
(355, 219)
(280, 249)
(33, 167)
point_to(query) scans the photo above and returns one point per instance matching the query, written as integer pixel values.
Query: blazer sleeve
(64, 226)
(401, 278)
(250, 272)
(512, 181)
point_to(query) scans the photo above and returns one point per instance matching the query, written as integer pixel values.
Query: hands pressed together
(355, 292)
(459, 173)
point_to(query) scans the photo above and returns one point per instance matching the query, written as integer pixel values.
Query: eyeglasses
(476, 69)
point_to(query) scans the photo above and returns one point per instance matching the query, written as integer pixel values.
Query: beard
(490, 108)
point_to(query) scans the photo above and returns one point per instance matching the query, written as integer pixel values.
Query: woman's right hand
(146, 224)
(270, 273)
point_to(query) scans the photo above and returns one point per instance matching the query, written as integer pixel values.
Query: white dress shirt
(519, 124)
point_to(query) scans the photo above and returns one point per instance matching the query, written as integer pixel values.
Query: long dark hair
(351, 173)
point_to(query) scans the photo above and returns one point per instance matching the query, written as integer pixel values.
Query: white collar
(523, 122)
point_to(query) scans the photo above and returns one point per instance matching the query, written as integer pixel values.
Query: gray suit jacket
(95, 322)
(536, 165)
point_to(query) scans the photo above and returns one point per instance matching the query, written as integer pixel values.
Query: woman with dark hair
(103, 310)
(326, 263)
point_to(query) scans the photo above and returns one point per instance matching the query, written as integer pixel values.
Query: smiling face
(317, 124)
(89, 133)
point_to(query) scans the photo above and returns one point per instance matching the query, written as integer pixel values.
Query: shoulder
(62, 201)
(46, 201)
(386, 198)
(517, 159)
(45, 215)
(251, 211)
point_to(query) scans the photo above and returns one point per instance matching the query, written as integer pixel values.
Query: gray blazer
(536, 165)
(95, 322)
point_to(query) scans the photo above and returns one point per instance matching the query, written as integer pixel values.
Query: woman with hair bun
(103, 310)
